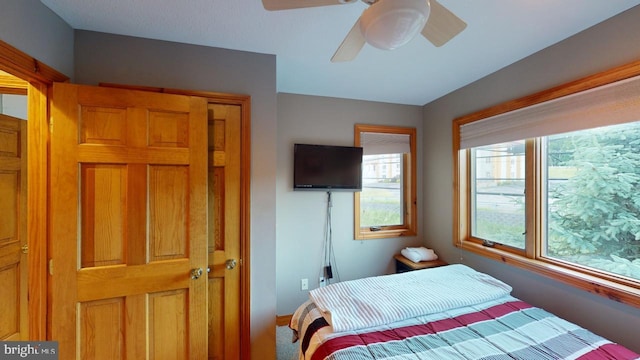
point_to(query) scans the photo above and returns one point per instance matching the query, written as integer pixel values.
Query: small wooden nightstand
(403, 264)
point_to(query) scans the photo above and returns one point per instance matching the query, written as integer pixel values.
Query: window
(592, 181)
(551, 183)
(386, 206)
(498, 195)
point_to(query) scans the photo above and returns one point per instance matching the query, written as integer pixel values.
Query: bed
(449, 312)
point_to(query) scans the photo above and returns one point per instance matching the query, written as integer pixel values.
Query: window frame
(616, 288)
(408, 228)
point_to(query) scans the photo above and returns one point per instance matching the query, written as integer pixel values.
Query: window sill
(621, 293)
(366, 234)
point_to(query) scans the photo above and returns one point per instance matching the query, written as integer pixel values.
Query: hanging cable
(328, 270)
(325, 244)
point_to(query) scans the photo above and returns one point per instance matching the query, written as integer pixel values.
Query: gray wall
(611, 43)
(31, 27)
(103, 57)
(301, 215)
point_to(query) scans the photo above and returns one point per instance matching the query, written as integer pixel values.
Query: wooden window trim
(616, 288)
(622, 293)
(410, 197)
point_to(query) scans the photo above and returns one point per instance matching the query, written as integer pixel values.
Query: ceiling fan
(386, 24)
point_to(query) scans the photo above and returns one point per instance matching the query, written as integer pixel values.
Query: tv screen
(326, 167)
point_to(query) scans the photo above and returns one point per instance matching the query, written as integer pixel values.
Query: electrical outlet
(304, 284)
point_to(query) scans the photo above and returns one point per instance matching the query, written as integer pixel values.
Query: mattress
(479, 325)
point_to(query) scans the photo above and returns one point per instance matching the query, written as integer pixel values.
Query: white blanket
(379, 300)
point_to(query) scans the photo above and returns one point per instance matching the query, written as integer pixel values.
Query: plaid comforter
(506, 328)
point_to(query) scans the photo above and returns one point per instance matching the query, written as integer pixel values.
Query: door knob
(231, 264)
(196, 273)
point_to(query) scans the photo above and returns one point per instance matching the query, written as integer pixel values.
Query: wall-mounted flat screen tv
(327, 167)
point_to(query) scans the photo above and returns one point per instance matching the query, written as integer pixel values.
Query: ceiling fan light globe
(389, 24)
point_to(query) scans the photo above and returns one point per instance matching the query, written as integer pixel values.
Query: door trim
(40, 77)
(244, 101)
(27, 68)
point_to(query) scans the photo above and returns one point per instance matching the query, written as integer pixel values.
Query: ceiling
(499, 32)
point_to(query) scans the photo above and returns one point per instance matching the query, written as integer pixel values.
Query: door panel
(13, 210)
(128, 224)
(100, 328)
(104, 213)
(224, 230)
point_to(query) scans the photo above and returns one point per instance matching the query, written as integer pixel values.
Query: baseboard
(283, 320)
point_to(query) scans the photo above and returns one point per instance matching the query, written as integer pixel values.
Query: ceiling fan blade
(351, 45)
(442, 25)
(297, 4)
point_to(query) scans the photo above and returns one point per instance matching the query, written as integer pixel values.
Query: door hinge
(25, 249)
(51, 125)
(51, 267)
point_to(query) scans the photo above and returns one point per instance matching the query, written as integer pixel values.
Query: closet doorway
(23, 185)
(13, 207)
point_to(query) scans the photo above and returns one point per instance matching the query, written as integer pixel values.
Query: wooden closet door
(13, 237)
(225, 134)
(128, 224)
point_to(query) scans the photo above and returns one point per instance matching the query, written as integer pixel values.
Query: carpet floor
(285, 349)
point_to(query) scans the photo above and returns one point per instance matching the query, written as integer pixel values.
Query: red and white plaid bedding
(452, 312)
(506, 328)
